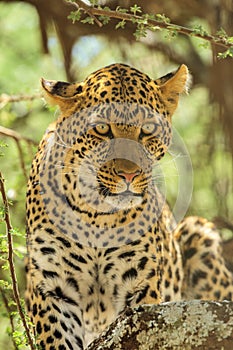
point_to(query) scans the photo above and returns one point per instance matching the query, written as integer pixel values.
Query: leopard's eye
(102, 128)
(148, 128)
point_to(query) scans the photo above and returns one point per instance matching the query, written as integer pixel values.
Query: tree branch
(87, 9)
(18, 138)
(182, 325)
(5, 302)
(11, 262)
(151, 24)
(5, 99)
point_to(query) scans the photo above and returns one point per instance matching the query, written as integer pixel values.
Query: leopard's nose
(128, 177)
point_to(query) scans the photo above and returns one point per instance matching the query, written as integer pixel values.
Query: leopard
(100, 235)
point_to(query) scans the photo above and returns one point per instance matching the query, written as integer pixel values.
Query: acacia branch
(11, 262)
(5, 99)
(18, 138)
(5, 302)
(149, 23)
(88, 9)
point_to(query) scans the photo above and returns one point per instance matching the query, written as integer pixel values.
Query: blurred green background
(197, 119)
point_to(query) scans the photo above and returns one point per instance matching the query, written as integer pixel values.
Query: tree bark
(204, 325)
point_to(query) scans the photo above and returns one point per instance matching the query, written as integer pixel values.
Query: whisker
(168, 176)
(63, 144)
(168, 162)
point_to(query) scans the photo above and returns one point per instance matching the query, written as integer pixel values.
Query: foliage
(145, 22)
(19, 330)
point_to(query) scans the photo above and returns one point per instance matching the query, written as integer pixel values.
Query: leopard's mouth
(106, 192)
(126, 193)
(121, 200)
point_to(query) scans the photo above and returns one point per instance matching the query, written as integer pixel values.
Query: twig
(88, 10)
(93, 11)
(11, 262)
(5, 302)
(5, 99)
(18, 138)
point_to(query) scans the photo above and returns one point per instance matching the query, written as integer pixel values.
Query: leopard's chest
(115, 280)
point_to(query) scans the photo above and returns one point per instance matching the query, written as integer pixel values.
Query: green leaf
(105, 8)
(2, 144)
(140, 32)
(162, 18)
(119, 9)
(104, 19)
(16, 232)
(135, 9)
(120, 24)
(227, 53)
(171, 34)
(198, 29)
(143, 21)
(88, 19)
(5, 285)
(75, 15)
(5, 266)
(94, 2)
(204, 44)
(155, 28)
(221, 33)
(2, 212)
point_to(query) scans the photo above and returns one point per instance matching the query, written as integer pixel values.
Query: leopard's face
(113, 156)
(112, 130)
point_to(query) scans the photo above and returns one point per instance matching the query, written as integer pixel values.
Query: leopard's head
(112, 128)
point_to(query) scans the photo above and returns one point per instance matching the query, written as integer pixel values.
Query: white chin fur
(123, 202)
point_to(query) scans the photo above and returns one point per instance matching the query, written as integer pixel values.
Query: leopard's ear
(172, 85)
(61, 93)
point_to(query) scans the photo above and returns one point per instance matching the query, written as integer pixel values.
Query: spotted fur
(97, 227)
